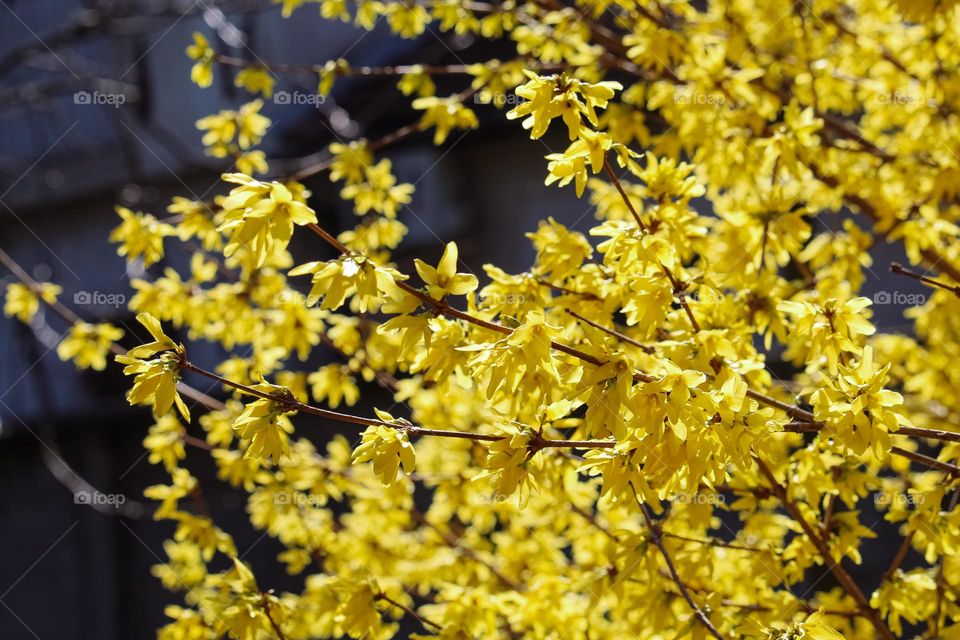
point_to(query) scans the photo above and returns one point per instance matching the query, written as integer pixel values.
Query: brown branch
(454, 543)
(369, 71)
(426, 622)
(273, 623)
(823, 548)
(387, 140)
(289, 403)
(899, 269)
(623, 194)
(616, 334)
(656, 536)
(898, 559)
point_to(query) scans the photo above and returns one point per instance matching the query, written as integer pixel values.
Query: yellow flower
(255, 80)
(349, 161)
(562, 96)
(509, 462)
(140, 235)
(260, 216)
(378, 190)
(444, 279)
(23, 302)
(407, 20)
(156, 367)
(348, 275)
(858, 408)
(416, 81)
(814, 627)
(264, 423)
(826, 331)
(334, 384)
(229, 132)
(332, 70)
(202, 72)
(590, 148)
(289, 6)
(164, 441)
(445, 114)
(88, 344)
(196, 221)
(388, 448)
(252, 162)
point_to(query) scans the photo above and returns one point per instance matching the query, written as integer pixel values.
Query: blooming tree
(572, 433)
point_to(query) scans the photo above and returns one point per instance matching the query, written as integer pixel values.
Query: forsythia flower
(388, 447)
(910, 595)
(827, 331)
(140, 235)
(589, 149)
(349, 161)
(377, 190)
(156, 366)
(444, 280)
(88, 344)
(264, 423)
(23, 302)
(260, 216)
(814, 628)
(230, 132)
(560, 96)
(255, 80)
(165, 442)
(334, 384)
(445, 114)
(349, 275)
(509, 462)
(416, 81)
(202, 72)
(857, 406)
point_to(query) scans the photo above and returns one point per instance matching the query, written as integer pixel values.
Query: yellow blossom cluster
(599, 446)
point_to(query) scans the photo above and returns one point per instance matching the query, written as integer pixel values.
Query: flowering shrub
(572, 433)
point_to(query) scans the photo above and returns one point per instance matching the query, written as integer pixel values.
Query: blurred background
(67, 569)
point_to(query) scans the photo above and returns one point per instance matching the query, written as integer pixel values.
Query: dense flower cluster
(572, 433)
